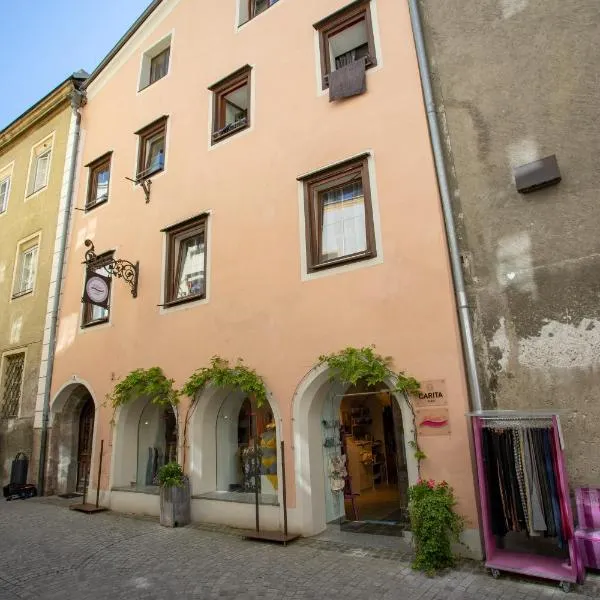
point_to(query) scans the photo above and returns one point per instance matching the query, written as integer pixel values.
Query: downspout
(440, 167)
(77, 99)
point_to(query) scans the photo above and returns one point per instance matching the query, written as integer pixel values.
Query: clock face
(97, 289)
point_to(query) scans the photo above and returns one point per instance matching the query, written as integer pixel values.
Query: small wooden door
(84, 448)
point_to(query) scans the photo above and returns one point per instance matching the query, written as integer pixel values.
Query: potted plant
(175, 509)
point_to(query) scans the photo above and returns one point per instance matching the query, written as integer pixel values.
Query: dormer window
(155, 63)
(251, 8)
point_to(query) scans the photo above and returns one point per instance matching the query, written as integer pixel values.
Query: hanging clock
(97, 290)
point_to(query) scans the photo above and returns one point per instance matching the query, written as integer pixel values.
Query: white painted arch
(307, 409)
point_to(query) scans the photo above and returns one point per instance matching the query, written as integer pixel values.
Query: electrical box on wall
(537, 174)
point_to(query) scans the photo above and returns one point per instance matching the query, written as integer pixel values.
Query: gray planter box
(175, 505)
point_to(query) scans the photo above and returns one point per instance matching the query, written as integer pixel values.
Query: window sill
(35, 192)
(90, 207)
(154, 490)
(143, 175)
(145, 87)
(217, 137)
(185, 300)
(93, 323)
(239, 497)
(342, 261)
(21, 294)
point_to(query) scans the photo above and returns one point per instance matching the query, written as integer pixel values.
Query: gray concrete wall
(518, 80)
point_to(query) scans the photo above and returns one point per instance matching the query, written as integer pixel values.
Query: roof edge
(121, 43)
(43, 106)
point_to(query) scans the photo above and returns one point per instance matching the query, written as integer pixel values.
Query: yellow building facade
(35, 150)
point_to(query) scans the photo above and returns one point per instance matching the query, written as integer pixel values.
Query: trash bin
(18, 470)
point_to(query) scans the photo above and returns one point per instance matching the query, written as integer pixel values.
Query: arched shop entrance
(370, 429)
(145, 440)
(71, 440)
(364, 454)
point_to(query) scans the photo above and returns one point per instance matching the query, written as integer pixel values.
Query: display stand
(566, 571)
(280, 537)
(86, 507)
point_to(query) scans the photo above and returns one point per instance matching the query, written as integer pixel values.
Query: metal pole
(99, 473)
(285, 521)
(445, 195)
(256, 470)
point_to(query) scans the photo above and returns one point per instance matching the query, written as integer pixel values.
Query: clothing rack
(565, 570)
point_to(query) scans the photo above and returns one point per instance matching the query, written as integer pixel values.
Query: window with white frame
(4, 191)
(251, 8)
(155, 63)
(39, 170)
(12, 384)
(26, 267)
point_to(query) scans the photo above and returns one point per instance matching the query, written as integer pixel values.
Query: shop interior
(372, 438)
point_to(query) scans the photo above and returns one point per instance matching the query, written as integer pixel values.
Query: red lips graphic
(434, 423)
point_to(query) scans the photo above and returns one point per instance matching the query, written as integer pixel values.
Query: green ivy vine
(221, 374)
(151, 383)
(364, 365)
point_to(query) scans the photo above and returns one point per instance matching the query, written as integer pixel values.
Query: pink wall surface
(259, 305)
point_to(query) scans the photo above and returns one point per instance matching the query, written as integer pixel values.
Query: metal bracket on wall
(146, 185)
(115, 267)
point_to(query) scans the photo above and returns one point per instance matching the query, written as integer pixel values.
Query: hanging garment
(537, 512)
(542, 474)
(148, 479)
(548, 442)
(497, 517)
(527, 488)
(519, 469)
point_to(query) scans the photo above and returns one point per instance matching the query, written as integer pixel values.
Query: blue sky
(44, 41)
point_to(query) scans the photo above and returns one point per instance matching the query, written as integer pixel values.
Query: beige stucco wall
(22, 319)
(260, 304)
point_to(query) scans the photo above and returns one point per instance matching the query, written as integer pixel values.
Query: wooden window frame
(322, 181)
(222, 88)
(96, 167)
(336, 23)
(174, 234)
(167, 51)
(145, 134)
(4, 201)
(86, 317)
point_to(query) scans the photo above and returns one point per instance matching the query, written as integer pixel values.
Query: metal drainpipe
(77, 98)
(440, 167)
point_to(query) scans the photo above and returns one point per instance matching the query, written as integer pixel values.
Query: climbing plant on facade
(223, 375)
(363, 365)
(151, 383)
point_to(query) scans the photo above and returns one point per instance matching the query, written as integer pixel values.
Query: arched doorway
(319, 436)
(364, 453)
(85, 445)
(145, 439)
(71, 440)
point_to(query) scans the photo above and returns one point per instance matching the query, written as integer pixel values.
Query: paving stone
(49, 552)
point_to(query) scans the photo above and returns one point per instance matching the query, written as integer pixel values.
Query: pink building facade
(279, 225)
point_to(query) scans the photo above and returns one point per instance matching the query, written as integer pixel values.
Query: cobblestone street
(51, 552)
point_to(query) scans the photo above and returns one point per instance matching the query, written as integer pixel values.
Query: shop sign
(432, 393)
(432, 421)
(97, 289)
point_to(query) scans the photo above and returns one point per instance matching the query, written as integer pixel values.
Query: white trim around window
(5, 185)
(40, 165)
(26, 266)
(22, 350)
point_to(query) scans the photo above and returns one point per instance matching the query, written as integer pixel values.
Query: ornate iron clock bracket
(146, 185)
(115, 267)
